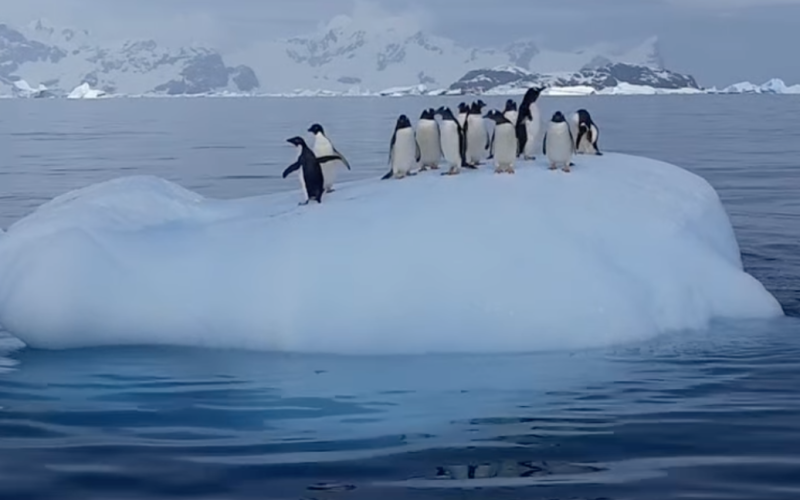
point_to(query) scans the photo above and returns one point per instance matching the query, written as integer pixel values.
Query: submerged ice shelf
(623, 248)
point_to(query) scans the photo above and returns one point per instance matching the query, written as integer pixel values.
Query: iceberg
(84, 91)
(621, 249)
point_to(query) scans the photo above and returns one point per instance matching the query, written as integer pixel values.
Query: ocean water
(711, 415)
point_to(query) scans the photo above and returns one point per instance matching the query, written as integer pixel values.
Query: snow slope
(620, 249)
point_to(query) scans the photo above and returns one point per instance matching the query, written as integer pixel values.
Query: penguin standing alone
(403, 151)
(504, 142)
(587, 135)
(324, 147)
(311, 179)
(428, 140)
(559, 145)
(452, 139)
(529, 123)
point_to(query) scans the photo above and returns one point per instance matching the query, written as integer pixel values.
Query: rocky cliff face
(598, 77)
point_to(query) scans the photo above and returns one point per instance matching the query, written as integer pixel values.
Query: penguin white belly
(558, 143)
(323, 147)
(511, 116)
(451, 144)
(429, 143)
(404, 153)
(532, 129)
(505, 145)
(476, 139)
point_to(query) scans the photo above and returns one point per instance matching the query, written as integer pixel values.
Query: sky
(718, 41)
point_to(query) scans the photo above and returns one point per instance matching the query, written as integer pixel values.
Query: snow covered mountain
(353, 54)
(507, 79)
(60, 60)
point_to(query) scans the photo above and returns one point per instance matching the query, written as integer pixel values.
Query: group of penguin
(463, 141)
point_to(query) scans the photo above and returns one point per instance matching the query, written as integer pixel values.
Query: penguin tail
(388, 175)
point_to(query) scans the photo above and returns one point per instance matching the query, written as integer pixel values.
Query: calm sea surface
(712, 415)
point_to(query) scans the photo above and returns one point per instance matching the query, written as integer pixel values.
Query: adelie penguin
(428, 140)
(311, 178)
(403, 151)
(324, 147)
(587, 133)
(559, 145)
(454, 146)
(529, 124)
(476, 134)
(504, 142)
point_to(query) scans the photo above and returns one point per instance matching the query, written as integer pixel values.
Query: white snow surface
(621, 249)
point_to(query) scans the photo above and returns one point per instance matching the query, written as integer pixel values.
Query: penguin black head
(297, 141)
(463, 108)
(316, 129)
(584, 117)
(480, 104)
(402, 122)
(511, 105)
(427, 114)
(558, 117)
(531, 96)
(444, 112)
(495, 116)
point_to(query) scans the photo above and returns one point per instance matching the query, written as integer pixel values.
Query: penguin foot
(566, 169)
(423, 168)
(599, 153)
(329, 190)
(499, 170)
(434, 167)
(553, 166)
(412, 174)
(511, 170)
(302, 203)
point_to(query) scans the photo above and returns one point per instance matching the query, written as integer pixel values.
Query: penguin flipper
(491, 144)
(418, 152)
(522, 137)
(326, 159)
(342, 158)
(291, 168)
(544, 144)
(391, 146)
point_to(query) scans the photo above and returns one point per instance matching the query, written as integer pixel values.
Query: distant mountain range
(347, 56)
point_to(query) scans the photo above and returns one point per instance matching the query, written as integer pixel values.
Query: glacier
(621, 249)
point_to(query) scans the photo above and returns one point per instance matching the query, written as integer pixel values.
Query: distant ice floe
(773, 86)
(85, 91)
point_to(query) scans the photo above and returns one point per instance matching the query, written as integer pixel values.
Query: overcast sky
(718, 41)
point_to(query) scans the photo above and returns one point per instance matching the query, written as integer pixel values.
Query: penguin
(463, 111)
(476, 134)
(454, 147)
(587, 133)
(312, 180)
(428, 140)
(529, 123)
(504, 142)
(404, 151)
(324, 147)
(511, 111)
(559, 144)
